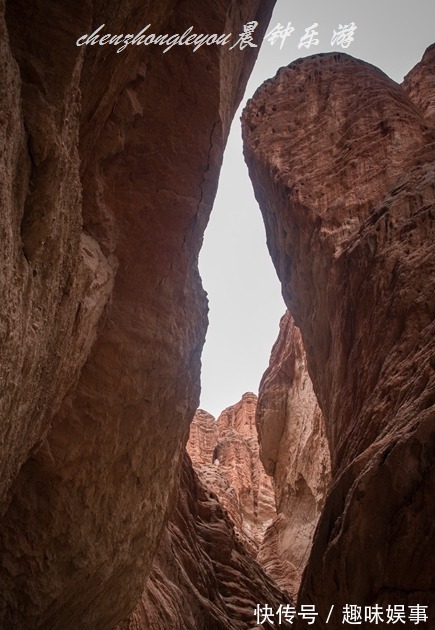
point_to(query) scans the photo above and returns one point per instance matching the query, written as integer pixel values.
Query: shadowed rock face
(108, 172)
(342, 162)
(203, 578)
(294, 450)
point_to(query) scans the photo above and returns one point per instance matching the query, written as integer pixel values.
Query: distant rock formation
(294, 449)
(234, 471)
(342, 160)
(203, 437)
(277, 530)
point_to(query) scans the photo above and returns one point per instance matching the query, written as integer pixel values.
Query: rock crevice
(294, 449)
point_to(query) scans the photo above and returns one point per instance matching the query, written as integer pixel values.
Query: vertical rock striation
(343, 164)
(203, 578)
(203, 437)
(237, 451)
(225, 453)
(294, 450)
(108, 174)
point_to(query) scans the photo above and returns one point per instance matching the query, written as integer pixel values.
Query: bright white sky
(244, 294)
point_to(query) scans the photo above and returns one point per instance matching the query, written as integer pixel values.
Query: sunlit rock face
(108, 169)
(203, 437)
(234, 470)
(294, 450)
(203, 577)
(342, 161)
(272, 483)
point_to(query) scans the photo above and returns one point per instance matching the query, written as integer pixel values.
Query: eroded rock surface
(108, 172)
(203, 578)
(225, 453)
(203, 437)
(294, 450)
(342, 160)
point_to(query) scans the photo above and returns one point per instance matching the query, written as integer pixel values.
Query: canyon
(205, 574)
(319, 493)
(225, 551)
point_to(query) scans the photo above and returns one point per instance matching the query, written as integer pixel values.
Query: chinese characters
(351, 614)
(343, 37)
(245, 38)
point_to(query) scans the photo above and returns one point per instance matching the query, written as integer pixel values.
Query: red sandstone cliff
(276, 524)
(204, 575)
(342, 160)
(203, 437)
(293, 448)
(108, 172)
(203, 578)
(225, 454)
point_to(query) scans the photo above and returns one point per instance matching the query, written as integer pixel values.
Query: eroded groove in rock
(419, 84)
(342, 162)
(109, 174)
(55, 280)
(203, 578)
(294, 450)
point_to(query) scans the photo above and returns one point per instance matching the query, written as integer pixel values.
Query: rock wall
(203, 437)
(108, 174)
(225, 453)
(203, 578)
(294, 450)
(237, 451)
(342, 162)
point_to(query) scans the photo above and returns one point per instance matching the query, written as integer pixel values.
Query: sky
(243, 290)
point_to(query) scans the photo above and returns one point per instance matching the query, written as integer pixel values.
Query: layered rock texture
(203, 437)
(295, 452)
(203, 577)
(225, 453)
(109, 167)
(342, 160)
